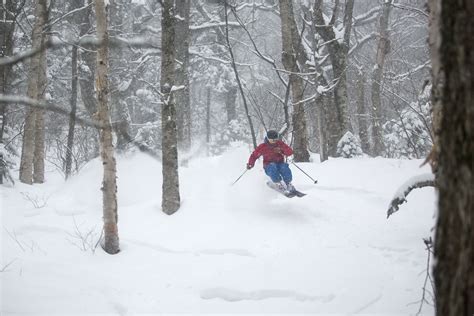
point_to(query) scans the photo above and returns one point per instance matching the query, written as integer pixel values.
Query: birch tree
(170, 195)
(32, 154)
(109, 183)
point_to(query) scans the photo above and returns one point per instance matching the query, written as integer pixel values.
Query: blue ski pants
(279, 170)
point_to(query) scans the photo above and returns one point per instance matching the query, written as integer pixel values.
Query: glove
(277, 150)
(249, 166)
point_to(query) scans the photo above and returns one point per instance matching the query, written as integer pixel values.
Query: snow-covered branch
(45, 106)
(88, 41)
(412, 9)
(68, 14)
(211, 25)
(368, 17)
(214, 58)
(417, 182)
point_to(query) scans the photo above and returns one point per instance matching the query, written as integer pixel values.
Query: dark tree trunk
(7, 26)
(337, 118)
(208, 116)
(383, 49)
(362, 115)
(170, 197)
(230, 101)
(72, 116)
(454, 76)
(292, 53)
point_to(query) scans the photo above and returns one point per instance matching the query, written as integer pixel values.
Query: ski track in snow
(235, 295)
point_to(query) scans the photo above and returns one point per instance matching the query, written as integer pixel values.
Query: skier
(273, 151)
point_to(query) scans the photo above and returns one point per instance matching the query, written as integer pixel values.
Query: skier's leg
(272, 171)
(285, 172)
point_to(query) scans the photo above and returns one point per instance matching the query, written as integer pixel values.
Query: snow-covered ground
(229, 249)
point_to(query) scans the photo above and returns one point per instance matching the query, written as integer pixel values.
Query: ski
(285, 193)
(298, 193)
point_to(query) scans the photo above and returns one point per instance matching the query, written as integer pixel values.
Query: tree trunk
(72, 117)
(377, 76)
(39, 151)
(109, 183)
(7, 26)
(78, 19)
(34, 86)
(170, 199)
(230, 101)
(183, 102)
(208, 117)
(321, 103)
(338, 119)
(362, 114)
(291, 52)
(454, 249)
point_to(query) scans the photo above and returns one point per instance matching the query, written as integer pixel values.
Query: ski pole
(315, 181)
(240, 177)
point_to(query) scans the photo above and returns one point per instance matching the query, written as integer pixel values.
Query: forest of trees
(81, 79)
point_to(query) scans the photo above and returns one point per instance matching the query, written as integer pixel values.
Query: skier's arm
(285, 149)
(254, 156)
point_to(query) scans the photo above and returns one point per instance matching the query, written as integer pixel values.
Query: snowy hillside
(229, 249)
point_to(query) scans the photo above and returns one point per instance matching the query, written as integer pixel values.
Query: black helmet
(271, 134)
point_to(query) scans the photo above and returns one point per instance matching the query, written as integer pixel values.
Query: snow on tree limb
(56, 43)
(88, 122)
(46, 106)
(416, 182)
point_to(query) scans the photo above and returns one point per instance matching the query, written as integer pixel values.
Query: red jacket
(271, 153)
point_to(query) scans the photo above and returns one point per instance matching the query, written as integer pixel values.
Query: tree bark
(183, 102)
(454, 249)
(362, 114)
(72, 116)
(292, 52)
(170, 198)
(208, 117)
(109, 183)
(338, 119)
(383, 49)
(34, 86)
(7, 27)
(39, 150)
(230, 101)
